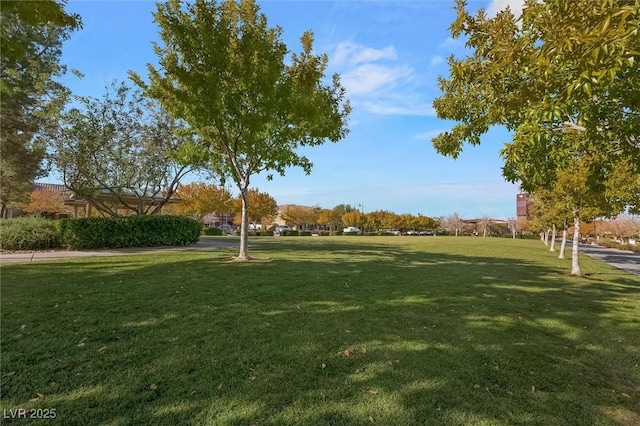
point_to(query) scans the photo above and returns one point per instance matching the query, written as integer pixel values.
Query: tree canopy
(225, 72)
(198, 199)
(564, 77)
(31, 96)
(123, 146)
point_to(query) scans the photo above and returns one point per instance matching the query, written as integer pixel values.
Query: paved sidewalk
(34, 256)
(621, 259)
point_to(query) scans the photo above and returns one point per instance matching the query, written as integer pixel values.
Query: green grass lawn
(325, 331)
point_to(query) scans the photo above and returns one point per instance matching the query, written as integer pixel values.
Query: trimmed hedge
(211, 231)
(613, 244)
(28, 233)
(289, 233)
(130, 231)
(305, 233)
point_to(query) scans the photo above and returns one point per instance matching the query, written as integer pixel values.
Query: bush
(616, 245)
(305, 233)
(289, 233)
(351, 233)
(28, 233)
(211, 231)
(130, 231)
(336, 233)
(268, 233)
(324, 233)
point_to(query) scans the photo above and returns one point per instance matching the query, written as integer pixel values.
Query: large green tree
(31, 97)
(564, 77)
(122, 152)
(225, 72)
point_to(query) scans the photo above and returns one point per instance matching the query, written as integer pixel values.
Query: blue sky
(389, 55)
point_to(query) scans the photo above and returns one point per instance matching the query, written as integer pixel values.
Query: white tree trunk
(563, 244)
(513, 233)
(546, 237)
(243, 256)
(575, 252)
(553, 239)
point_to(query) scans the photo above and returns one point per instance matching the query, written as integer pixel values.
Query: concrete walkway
(621, 259)
(33, 256)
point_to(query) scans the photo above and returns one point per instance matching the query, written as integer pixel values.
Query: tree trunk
(513, 233)
(243, 256)
(546, 237)
(575, 261)
(553, 239)
(563, 244)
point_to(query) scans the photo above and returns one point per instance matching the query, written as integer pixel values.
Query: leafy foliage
(28, 233)
(31, 96)
(564, 78)
(198, 199)
(123, 146)
(261, 207)
(301, 216)
(231, 78)
(45, 201)
(131, 231)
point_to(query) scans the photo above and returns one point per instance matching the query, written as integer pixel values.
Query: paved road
(203, 244)
(621, 259)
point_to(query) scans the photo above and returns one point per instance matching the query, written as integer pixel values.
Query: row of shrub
(211, 231)
(616, 245)
(34, 233)
(29, 233)
(130, 231)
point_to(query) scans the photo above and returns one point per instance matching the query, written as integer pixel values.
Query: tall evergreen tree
(31, 98)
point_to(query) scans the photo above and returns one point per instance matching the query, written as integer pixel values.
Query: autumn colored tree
(198, 199)
(251, 101)
(352, 218)
(301, 216)
(262, 206)
(44, 201)
(426, 223)
(331, 218)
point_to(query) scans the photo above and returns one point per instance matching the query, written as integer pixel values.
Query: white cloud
(429, 134)
(497, 5)
(367, 78)
(347, 52)
(378, 82)
(382, 108)
(436, 60)
(452, 43)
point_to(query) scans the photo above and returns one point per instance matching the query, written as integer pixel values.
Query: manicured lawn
(326, 331)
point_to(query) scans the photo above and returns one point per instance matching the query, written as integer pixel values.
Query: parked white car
(281, 228)
(351, 229)
(226, 228)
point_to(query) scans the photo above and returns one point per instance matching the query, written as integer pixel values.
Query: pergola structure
(107, 196)
(83, 207)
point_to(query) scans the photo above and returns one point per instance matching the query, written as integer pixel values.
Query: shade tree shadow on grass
(343, 333)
